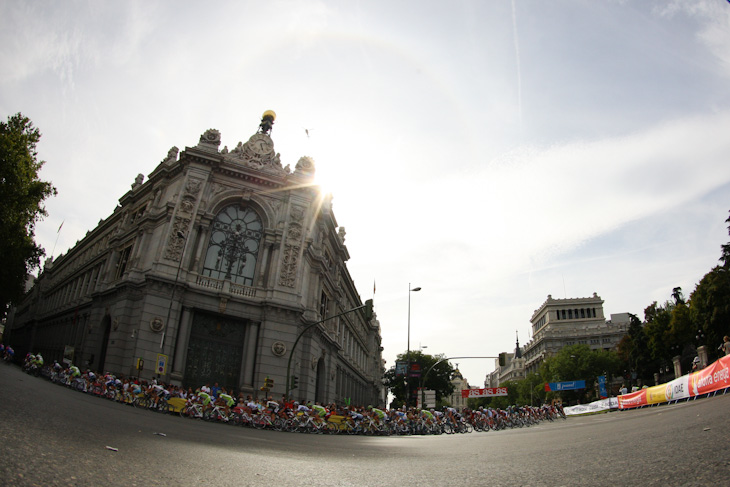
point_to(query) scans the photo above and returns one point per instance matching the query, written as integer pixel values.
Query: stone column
(249, 355)
(703, 355)
(181, 347)
(677, 366)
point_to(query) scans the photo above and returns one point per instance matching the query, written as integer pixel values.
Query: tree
(677, 295)
(22, 194)
(709, 307)
(634, 353)
(725, 257)
(709, 304)
(656, 326)
(579, 362)
(439, 379)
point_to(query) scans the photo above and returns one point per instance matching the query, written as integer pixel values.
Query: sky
(490, 153)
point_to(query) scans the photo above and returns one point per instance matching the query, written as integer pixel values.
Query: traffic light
(368, 310)
(294, 382)
(268, 383)
(502, 359)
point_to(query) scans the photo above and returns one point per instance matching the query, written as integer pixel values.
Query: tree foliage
(579, 362)
(438, 379)
(678, 327)
(22, 194)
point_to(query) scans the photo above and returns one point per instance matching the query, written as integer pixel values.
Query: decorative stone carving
(171, 155)
(292, 248)
(175, 243)
(158, 195)
(278, 349)
(187, 205)
(258, 153)
(190, 196)
(222, 305)
(305, 166)
(192, 187)
(138, 181)
(342, 234)
(157, 324)
(210, 140)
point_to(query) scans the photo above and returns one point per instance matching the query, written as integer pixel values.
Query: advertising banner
(488, 392)
(565, 386)
(594, 407)
(603, 393)
(714, 377)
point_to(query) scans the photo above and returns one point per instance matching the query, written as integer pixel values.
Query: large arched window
(234, 245)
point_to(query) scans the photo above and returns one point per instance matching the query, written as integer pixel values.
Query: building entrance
(215, 351)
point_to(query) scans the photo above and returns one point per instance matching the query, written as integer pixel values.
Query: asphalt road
(53, 436)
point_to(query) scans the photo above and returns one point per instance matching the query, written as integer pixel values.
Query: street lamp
(174, 286)
(408, 353)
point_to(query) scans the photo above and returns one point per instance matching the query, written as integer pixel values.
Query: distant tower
(518, 352)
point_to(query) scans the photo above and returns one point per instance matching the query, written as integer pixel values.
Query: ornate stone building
(558, 323)
(561, 322)
(459, 383)
(513, 369)
(208, 271)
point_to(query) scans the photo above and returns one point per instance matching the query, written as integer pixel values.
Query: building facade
(558, 323)
(459, 383)
(513, 368)
(208, 272)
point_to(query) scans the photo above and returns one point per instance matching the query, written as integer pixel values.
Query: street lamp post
(408, 353)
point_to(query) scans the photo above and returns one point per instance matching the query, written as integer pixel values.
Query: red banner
(488, 392)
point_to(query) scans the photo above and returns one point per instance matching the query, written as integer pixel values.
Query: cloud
(714, 19)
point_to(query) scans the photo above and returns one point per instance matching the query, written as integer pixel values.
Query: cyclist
(38, 361)
(156, 390)
(320, 412)
(73, 373)
(377, 414)
(225, 400)
(204, 399)
(272, 407)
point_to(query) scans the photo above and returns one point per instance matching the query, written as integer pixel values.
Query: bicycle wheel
(279, 424)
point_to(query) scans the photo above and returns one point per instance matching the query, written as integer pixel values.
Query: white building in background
(459, 383)
(513, 369)
(208, 271)
(558, 323)
(562, 322)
